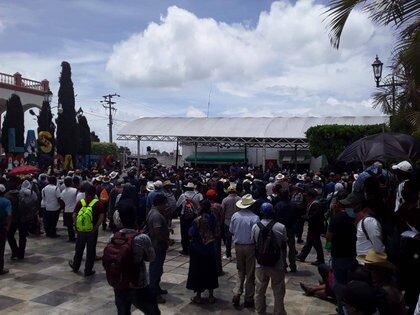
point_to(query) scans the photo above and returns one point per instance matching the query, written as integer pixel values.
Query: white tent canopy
(238, 131)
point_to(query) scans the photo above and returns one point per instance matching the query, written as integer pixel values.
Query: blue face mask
(350, 212)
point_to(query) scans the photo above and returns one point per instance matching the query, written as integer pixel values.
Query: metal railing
(19, 81)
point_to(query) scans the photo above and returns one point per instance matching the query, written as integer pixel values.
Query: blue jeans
(156, 269)
(341, 268)
(142, 299)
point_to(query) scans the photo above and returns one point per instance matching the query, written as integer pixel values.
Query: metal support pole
(138, 151)
(246, 154)
(295, 157)
(264, 156)
(195, 155)
(176, 153)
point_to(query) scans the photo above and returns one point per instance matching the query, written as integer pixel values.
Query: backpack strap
(364, 229)
(83, 202)
(92, 203)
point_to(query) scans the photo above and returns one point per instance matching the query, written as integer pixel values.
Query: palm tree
(404, 15)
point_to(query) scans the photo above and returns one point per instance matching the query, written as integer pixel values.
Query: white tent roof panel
(239, 127)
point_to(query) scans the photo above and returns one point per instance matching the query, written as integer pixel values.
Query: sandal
(196, 300)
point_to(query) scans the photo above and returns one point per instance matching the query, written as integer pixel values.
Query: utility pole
(108, 101)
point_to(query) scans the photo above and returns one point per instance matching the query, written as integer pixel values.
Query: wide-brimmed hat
(231, 189)
(352, 199)
(113, 174)
(245, 202)
(249, 175)
(158, 184)
(317, 177)
(301, 177)
(99, 178)
(190, 185)
(375, 258)
(150, 186)
(280, 176)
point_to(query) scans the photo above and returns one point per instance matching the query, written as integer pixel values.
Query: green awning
(217, 157)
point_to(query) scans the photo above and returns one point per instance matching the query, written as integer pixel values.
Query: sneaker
(249, 304)
(236, 300)
(316, 263)
(293, 270)
(184, 253)
(4, 271)
(89, 273)
(227, 258)
(160, 299)
(298, 258)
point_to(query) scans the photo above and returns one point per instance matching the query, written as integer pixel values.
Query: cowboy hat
(373, 258)
(158, 184)
(300, 177)
(150, 187)
(317, 177)
(113, 174)
(231, 189)
(189, 185)
(249, 175)
(280, 176)
(245, 202)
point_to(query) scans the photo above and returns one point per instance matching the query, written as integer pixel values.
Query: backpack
(84, 219)
(104, 196)
(118, 261)
(267, 251)
(189, 208)
(27, 207)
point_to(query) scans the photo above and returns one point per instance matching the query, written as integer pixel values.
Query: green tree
(84, 132)
(13, 119)
(331, 140)
(123, 150)
(104, 148)
(45, 122)
(403, 15)
(67, 128)
(94, 137)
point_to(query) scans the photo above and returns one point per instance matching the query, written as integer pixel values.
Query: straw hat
(113, 174)
(150, 187)
(245, 202)
(158, 184)
(301, 177)
(231, 189)
(190, 185)
(249, 175)
(374, 258)
(280, 176)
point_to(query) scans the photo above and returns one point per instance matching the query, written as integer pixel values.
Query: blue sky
(259, 58)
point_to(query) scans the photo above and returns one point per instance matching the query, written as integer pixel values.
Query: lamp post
(48, 96)
(377, 66)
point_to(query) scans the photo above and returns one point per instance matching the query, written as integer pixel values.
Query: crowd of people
(370, 222)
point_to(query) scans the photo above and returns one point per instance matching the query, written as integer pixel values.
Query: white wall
(25, 98)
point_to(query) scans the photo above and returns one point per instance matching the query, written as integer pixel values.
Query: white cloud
(195, 112)
(287, 51)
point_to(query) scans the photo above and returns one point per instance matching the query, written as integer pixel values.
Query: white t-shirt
(68, 195)
(374, 230)
(80, 196)
(50, 195)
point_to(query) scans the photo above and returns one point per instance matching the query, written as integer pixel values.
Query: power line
(111, 109)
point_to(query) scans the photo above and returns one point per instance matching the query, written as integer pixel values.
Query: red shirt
(97, 208)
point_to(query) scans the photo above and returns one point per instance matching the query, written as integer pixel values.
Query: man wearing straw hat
(241, 228)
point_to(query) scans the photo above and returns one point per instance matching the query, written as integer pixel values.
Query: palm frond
(338, 13)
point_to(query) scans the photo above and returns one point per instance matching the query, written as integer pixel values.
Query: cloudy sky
(257, 57)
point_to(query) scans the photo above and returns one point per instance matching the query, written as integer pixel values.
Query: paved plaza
(43, 284)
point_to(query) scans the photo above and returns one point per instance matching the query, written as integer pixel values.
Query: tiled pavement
(43, 284)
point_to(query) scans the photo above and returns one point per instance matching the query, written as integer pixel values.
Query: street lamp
(377, 70)
(48, 96)
(377, 66)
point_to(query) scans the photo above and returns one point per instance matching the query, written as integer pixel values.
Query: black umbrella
(385, 147)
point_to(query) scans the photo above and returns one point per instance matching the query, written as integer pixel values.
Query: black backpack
(267, 251)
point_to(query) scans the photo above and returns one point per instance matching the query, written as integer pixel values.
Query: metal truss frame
(224, 141)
